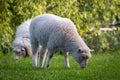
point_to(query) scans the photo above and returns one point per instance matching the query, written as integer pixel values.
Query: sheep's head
(19, 53)
(82, 56)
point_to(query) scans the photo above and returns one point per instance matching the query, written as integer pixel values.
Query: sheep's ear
(91, 50)
(80, 51)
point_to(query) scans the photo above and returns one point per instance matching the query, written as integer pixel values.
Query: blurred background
(97, 21)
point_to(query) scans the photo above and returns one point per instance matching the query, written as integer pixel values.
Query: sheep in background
(21, 44)
(53, 32)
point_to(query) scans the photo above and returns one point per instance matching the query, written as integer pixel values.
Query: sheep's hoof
(47, 66)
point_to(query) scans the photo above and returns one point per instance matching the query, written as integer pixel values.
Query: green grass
(100, 67)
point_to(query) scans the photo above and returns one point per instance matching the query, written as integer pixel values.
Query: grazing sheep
(21, 44)
(53, 32)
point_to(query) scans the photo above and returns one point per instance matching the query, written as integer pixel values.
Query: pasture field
(102, 66)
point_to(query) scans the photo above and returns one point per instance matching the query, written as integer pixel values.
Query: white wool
(23, 29)
(51, 32)
(22, 39)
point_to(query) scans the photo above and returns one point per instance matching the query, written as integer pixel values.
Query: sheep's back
(23, 29)
(44, 26)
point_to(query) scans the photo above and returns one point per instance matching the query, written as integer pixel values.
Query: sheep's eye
(80, 51)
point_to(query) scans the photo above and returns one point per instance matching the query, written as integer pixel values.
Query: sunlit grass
(100, 67)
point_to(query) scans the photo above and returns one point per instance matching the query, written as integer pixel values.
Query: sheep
(21, 43)
(54, 32)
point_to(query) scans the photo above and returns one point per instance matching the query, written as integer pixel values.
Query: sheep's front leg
(34, 59)
(66, 56)
(50, 54)
(42, 56)
(35, 48)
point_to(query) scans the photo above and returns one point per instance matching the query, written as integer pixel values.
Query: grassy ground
(101, 67)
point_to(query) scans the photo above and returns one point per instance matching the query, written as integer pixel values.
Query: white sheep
(21, 44)
(53, 32)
